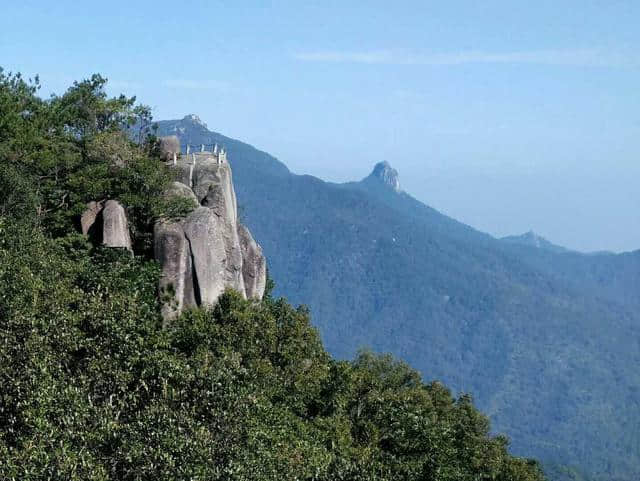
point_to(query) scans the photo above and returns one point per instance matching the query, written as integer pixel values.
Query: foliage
(94, 388)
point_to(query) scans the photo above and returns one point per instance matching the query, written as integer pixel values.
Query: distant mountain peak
(193, 118)
(385, 174)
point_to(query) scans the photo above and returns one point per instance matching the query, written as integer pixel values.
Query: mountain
(532, 239)
(547, 341)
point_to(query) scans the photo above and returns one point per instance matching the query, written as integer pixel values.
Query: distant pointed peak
(387, 175)
(194, 119)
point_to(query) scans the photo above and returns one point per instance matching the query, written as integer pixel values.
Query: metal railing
(189, 152)
(194, 148)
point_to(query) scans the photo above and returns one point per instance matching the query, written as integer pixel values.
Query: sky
(509, 116)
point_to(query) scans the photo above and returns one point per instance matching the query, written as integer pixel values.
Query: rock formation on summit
(386, 175)
(207, 251)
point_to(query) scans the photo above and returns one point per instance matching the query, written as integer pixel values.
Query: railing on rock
(190, 150)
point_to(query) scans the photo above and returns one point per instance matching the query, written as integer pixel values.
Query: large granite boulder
(169, 146)
(89, 217)
(115, 226)
(208, 250)
(254, 264)
(210, 181)
(213, 186)
(177, 290)
(178, 189)
(217, 257)
(106, 223)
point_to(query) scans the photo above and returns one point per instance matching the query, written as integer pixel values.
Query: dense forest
(93, 387)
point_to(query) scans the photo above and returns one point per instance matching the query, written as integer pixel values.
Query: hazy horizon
(507, 117)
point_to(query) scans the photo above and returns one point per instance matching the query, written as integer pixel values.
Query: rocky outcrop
(201, 254)
(106, 223)
(178, 189)
(207, 251)
(384, 174)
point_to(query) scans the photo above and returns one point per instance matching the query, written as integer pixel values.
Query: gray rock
(169, 145)
(184, 172)
(217, 257)
(176, 287)
(254, 264)
(115, 226)
(89, 216)
(106, 223)
(178, 189)
(213, 186)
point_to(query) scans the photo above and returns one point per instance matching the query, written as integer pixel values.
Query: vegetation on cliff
(93, 388)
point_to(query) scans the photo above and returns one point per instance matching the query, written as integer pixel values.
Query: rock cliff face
(254, 264)
(209, 250)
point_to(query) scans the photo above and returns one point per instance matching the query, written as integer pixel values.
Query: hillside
(100, 381)
(546, 341)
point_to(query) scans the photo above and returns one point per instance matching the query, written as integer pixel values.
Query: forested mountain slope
(548, 342)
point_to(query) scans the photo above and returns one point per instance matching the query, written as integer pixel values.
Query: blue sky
(507, 115)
